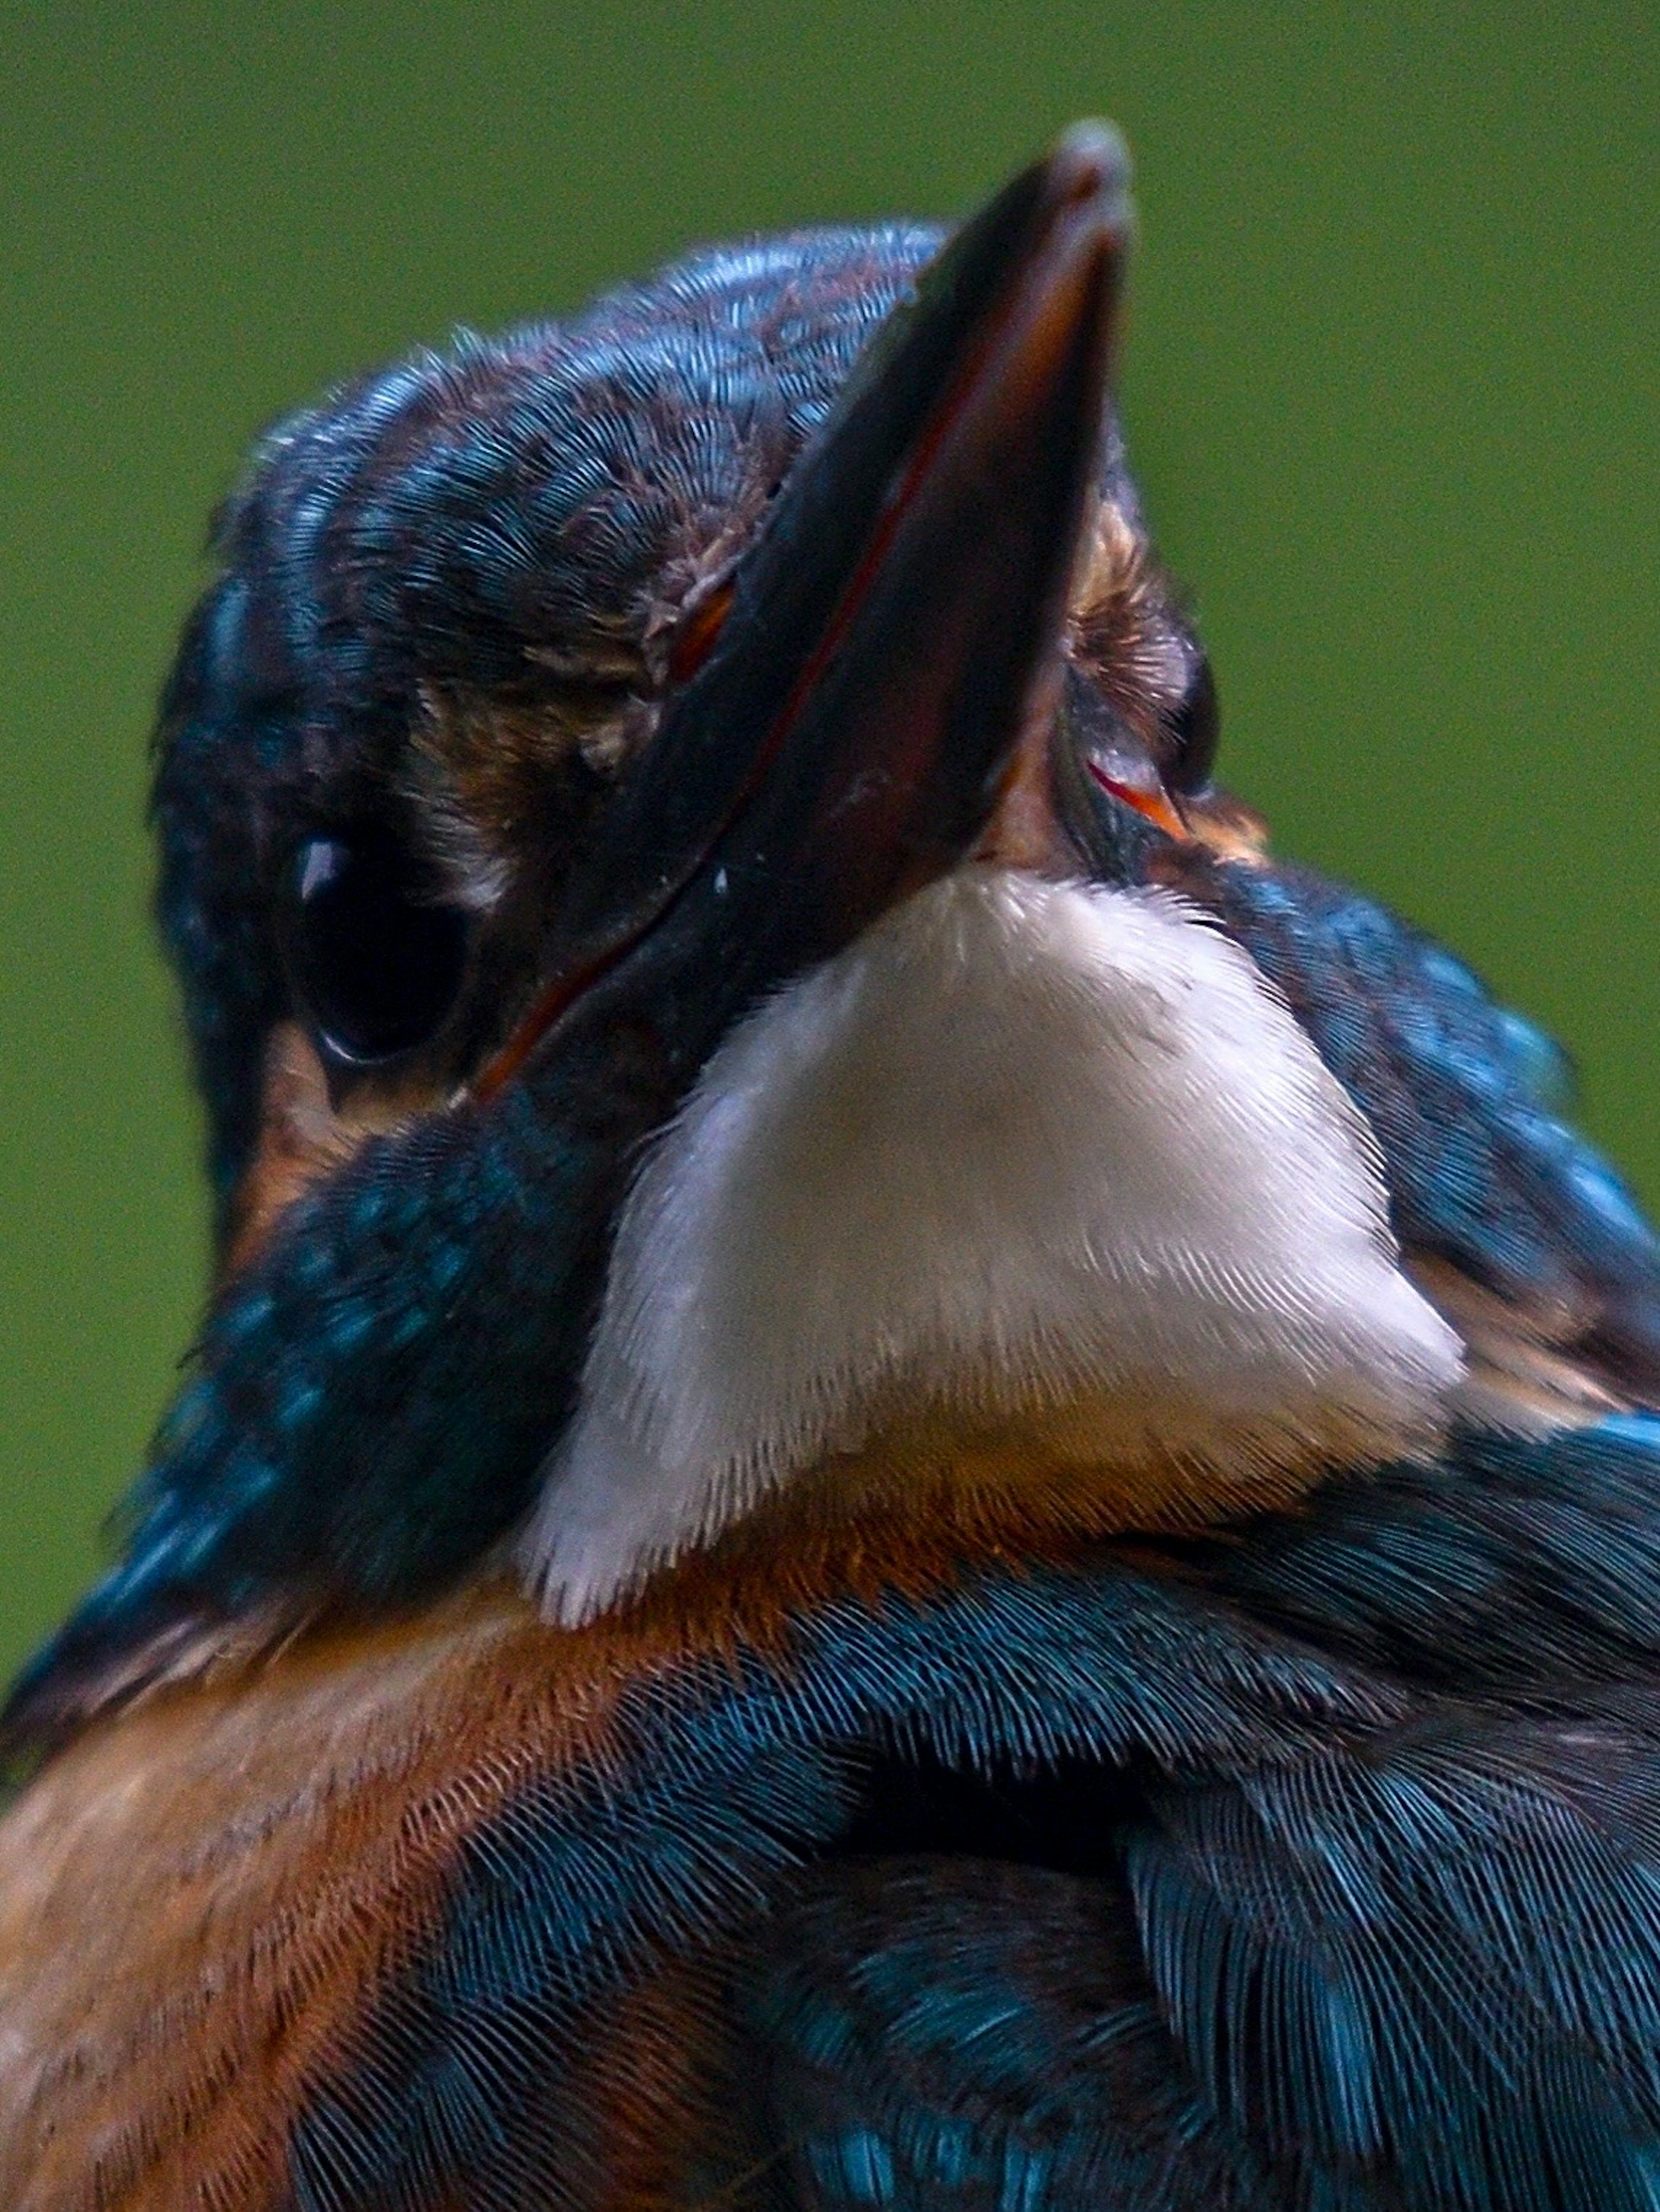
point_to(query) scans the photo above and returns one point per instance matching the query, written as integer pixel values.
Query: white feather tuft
(1024, 1146)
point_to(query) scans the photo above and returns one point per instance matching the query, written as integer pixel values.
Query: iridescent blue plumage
(733, 1778)
(884, 1841)
(1205, 1910)
(1465, 1097)
(508, 514)
(439, 523)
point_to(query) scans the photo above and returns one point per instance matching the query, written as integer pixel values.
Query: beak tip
(1089, 164)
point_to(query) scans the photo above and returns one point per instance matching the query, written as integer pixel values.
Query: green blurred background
(1390, 389)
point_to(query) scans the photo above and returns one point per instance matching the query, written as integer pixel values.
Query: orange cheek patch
(299, 1141)
(303, 1138)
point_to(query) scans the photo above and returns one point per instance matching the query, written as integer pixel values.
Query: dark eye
(377, 964)
(1192, 726)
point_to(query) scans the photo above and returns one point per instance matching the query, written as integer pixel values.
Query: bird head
(430, 727)
(671, 833)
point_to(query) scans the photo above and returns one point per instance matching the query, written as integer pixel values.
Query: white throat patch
(1024, 1151)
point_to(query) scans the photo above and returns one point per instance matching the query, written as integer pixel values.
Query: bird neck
(1033, 1210)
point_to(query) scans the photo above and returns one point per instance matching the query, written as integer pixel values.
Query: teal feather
(1103, 1887)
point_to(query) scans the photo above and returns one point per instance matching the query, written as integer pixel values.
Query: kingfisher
(909, 1482)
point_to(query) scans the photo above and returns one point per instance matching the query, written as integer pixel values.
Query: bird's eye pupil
(376, 962)
(1193, 725)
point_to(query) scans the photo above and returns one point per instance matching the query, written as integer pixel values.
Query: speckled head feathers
(513, 519)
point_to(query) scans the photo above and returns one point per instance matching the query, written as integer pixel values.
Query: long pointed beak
(889, 640)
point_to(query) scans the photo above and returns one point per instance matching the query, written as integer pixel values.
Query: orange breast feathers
(201, 1896)
(198, 1897)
